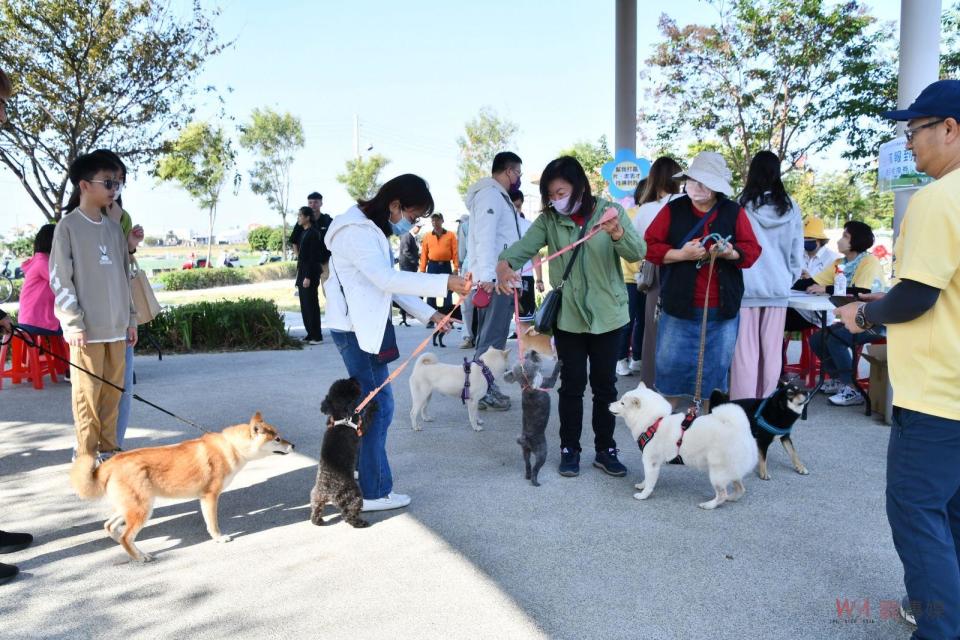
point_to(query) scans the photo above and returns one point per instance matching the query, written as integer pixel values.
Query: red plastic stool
(31, 363)
(808, 368)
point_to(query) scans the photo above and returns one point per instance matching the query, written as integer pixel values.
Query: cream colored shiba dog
(200, 468)
(719, 442)
(429, 376)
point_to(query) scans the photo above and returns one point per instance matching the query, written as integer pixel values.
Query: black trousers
(440, 267)
(310, 310)
(576, 351)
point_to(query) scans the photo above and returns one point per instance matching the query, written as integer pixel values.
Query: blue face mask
(810, 245)
(402, 227)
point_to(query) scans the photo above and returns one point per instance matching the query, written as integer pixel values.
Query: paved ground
(479, 553)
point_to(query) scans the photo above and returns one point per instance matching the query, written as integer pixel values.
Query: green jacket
(594, 296)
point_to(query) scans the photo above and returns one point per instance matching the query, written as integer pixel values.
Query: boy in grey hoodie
(90, 278)
(777, 223)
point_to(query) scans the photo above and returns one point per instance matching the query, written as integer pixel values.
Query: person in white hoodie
(494, 226)
(778, 225)
(360, 291)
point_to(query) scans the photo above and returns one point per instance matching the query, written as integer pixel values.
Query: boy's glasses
(109, 185)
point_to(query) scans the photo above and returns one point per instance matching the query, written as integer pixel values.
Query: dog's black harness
(356, 426)
(487, 374)
(766, 426)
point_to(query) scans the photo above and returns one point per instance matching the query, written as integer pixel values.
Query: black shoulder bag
(545, 320)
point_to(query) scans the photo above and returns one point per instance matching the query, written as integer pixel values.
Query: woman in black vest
(674, 242)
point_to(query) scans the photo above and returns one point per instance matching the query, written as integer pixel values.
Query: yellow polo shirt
(630, 268)
(868, 271)
(924, 354)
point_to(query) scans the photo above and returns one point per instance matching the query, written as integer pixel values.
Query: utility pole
(625, 72)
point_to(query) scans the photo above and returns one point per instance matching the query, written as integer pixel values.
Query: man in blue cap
(922, 314)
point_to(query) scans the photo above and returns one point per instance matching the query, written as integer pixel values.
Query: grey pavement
(479, 553)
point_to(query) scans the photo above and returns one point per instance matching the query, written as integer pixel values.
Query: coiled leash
(25, 337)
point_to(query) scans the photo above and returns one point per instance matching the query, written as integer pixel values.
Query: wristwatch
(861, 318)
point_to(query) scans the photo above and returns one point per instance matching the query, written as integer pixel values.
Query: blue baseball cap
(940, 99)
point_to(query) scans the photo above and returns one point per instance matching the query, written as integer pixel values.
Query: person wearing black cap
(922, 316)
(321, 222)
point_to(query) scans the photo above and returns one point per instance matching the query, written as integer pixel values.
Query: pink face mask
(698, 192)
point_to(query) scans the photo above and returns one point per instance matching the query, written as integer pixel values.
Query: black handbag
(545, 320)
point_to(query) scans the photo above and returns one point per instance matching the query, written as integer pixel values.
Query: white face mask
(560, 206)
(698, 192)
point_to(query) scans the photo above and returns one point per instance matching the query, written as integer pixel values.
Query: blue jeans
(631, 341)
(375, 478)
(923, 507)
(678, 350)
(123, 415)
(835, 352)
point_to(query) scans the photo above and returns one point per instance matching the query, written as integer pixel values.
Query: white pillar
(919, 67)
(625, 130)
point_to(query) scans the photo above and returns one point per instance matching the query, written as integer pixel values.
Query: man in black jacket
(408, 259)
(309, 268)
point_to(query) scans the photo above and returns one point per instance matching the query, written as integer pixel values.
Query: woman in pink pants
(776, 221)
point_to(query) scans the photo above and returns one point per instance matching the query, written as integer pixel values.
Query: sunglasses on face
(109, 185)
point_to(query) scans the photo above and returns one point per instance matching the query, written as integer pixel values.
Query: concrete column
(919, 67)
(625, 131)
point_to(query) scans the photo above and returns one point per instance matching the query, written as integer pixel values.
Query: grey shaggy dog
(338, 455)
(536, 409)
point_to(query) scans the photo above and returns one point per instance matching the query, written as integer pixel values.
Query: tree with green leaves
(592, 157)
(274, 138)
(484, 137)
(90, 74)
(200, 161)
(950, 46)
(362, 176)
(839, 197)
(791, 76)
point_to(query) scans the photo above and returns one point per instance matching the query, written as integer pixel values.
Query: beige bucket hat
(711, 170)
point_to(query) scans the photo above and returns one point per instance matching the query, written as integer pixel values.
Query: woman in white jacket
(363, 285)
(777, 223)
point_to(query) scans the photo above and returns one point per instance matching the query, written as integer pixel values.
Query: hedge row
(223, 325)
(225, 276)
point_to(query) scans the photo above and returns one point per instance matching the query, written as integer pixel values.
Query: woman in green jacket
(594, 309)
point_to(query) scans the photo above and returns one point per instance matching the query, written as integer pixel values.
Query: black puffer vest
(680, 277)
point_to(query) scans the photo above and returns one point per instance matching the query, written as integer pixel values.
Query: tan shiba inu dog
(200, 468)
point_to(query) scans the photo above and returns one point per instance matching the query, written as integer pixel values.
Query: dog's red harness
(647, 435)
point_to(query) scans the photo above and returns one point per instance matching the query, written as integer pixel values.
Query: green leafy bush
(223, 325)
(265, 239)
(222, 277)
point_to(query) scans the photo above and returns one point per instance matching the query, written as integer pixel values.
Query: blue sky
(414, 72)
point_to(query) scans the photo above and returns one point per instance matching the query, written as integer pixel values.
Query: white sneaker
(847, 397)
(467, 343)
(905, 611)
(634, 365)
(623, 367)
(390, 501)
(831, 386)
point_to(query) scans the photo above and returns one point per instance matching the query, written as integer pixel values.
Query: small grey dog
(536, 408)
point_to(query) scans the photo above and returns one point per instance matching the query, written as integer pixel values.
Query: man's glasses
(109, 185)
(910, 132)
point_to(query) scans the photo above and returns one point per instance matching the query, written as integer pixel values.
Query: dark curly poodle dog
(338, 455)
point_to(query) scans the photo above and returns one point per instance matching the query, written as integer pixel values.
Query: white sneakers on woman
(389, 501)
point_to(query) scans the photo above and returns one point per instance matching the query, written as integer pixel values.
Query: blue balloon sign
(624, 173)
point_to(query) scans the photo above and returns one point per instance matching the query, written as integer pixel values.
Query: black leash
(25, 337)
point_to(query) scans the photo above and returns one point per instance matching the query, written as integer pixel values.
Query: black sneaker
(7, 573)
(10, 542)
(607, 460)
(569, 463)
